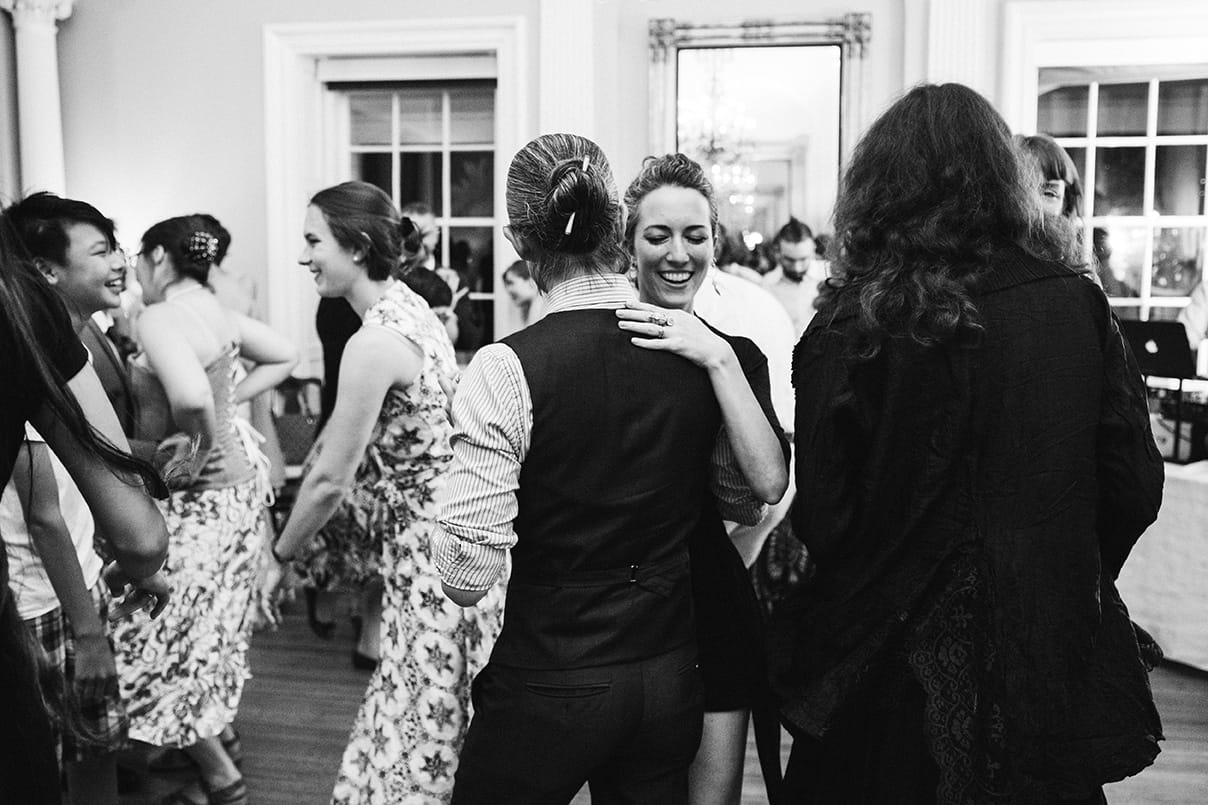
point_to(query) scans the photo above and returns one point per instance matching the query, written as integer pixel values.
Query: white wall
(163, 104)
(163, 108)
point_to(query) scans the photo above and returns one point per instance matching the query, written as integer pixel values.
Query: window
(1139, 138)
(435, 143)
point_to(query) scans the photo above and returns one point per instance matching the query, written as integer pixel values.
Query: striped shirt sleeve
(493, 420)
(735, 500)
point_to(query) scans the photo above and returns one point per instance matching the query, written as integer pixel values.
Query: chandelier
(715, 129)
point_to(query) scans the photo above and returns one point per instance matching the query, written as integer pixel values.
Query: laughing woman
(182, 675)
(670, 235)
(387, 442)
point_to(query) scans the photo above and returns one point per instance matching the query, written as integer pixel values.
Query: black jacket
(1029, 450)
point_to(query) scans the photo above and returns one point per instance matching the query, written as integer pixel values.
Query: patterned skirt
(182, 674)
(346, 552)
(409, 729)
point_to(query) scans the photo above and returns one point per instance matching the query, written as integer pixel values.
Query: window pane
(1120, 254)
(370, 118)
(419, 117)
(1119, 181)
(373, 168)
(1078, 156)
(473, 116)
(1178, 259)
(471, 255)
(1179, 179)
(1183, 107)
(1062, 112)
(1164, 313)
(419, 179)
(1127, 312)
(1122, 109)
(472, 184)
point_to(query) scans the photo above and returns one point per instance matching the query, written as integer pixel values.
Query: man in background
(795, 277)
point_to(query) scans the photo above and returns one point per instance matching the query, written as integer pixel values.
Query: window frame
(345, 153)
(1149, 218)
(1092, 33)
(299, 129)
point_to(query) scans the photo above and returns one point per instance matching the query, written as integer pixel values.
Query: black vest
(610, 489)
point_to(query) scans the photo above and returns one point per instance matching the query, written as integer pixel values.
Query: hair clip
(202, 247)
(586, 162)
(570, 224)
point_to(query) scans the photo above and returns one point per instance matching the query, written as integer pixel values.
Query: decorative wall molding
(37, 12)
(852, 32)
(296, 164)
(1041, 33)
(962, 43)
(39, 108)
(567, 75)
(10, 163)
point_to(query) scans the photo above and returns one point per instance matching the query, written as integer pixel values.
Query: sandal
(233, 794)
(234, 748)
(170, 761)
(181, 796)
(324, 629)
(174, 760)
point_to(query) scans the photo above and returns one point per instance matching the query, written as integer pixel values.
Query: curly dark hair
(936, 188)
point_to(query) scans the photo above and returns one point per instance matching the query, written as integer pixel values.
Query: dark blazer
(111, 370)
(1025, 453)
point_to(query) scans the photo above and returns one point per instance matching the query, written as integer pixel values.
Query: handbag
(295, 416)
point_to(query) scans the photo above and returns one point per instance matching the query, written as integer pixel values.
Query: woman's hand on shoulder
(675, 331)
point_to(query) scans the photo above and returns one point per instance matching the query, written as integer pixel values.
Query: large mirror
(769, 108)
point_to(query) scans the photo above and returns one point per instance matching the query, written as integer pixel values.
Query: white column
(567, 91)
(40, 119)
(10, 168)
(962, 43)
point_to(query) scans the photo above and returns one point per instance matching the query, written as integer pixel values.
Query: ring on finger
(662, 334)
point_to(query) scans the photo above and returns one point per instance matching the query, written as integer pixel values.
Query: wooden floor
(299, 707)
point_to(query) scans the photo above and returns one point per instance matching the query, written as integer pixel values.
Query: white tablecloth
(1164, 583)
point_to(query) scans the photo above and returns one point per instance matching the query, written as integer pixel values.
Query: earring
(356, 258)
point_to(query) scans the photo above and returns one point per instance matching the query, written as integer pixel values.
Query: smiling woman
(182, 676)
(670, 233)
(364, 515)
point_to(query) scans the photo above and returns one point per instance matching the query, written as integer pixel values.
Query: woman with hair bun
(386, 446)
(589, 460)
(182, 675)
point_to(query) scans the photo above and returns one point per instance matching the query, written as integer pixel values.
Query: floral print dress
(182, 674)
(411, 723)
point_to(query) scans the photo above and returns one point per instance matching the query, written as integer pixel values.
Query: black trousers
(629, 731)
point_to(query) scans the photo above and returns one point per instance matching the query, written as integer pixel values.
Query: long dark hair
(17, 296)
(936, 188)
